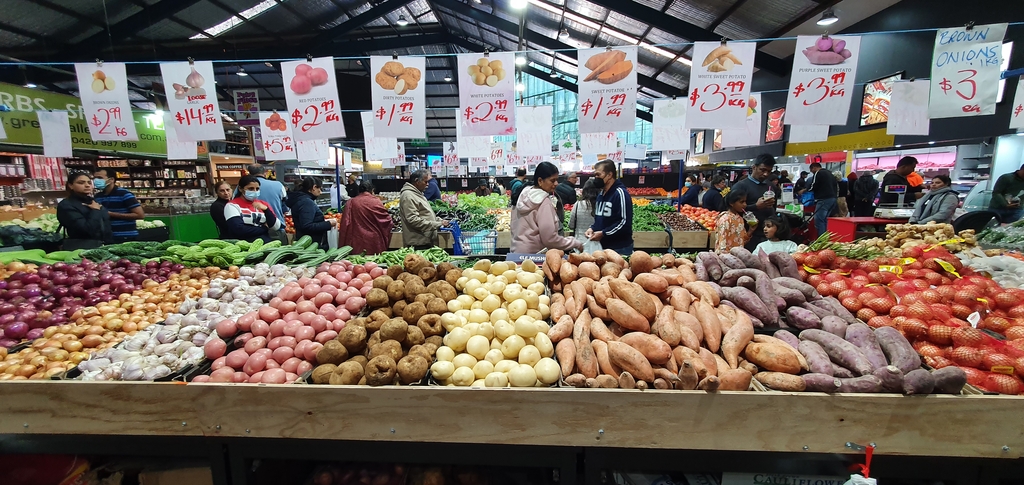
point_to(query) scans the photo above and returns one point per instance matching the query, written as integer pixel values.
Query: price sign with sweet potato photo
(720, 84)
(821, 86)
(607, 89)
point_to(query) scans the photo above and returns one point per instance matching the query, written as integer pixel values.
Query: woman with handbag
(85, 221)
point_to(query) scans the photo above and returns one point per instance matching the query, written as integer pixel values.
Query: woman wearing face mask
(692, 191)
(535, 221)
(247, 218)
(223, 192)
(86, 222)
(306, 215)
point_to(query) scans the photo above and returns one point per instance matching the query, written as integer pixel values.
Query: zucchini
(278, 255)
(272, 244)
(303, 242)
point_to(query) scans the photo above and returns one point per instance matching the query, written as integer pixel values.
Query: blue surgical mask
(251, 195)
(100, 184)
(688, 184)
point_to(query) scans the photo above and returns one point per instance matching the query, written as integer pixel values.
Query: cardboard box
(182, 476)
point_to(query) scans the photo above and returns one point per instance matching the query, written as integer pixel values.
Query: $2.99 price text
(315, 115)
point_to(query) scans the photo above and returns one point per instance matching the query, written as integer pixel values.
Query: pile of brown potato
(396, 342)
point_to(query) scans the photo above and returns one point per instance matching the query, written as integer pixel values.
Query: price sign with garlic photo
(103, 88)
(487, 94)
(607, 87)
(192, 100)
(314, 111)
(399, 103)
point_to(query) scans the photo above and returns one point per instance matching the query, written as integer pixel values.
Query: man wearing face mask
(122, 205)
(419, 223)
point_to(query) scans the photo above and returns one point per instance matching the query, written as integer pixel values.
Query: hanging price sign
(399, 103)
(312, 150)
(377, 148)
(821, 85)
(486, 94)
(497, 155)
(1017, 110)
(196, 114)
(533, 131)
(311, 92)
(451, 154)
(669, 125)
(105, 104)
(276, 134)
(965, 71)
(607, 89)
(720, 86)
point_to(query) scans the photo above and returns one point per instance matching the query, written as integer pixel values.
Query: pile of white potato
(497, 330)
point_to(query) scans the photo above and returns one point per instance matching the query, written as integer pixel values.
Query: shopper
(366, 225)
(938, 204)
(801, 183)
(731, 229)
(864, 191)
(784, 178)
(851, 180)
(517, 185)
(713, 199)
(433, 191)
(582, 216)
(223, 192)
(496, 188)
(704, 187)
(761, 194)
(123, 207)
(777, 234)
(86, 223)
(352, 189)
(535, 223)
(248, 217)
(1006, 196)
(419, 223)
(274, 194)
(692, 190)
(307, 217)
(566, 192)
(904, 168)
(482, 189)
(842, 209)
(613, 212)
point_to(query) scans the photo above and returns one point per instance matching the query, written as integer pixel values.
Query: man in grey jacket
(419, 223)
(938, 205)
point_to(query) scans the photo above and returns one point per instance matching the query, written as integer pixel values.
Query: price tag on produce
(465, 183)
(641, 180)
(720, 86)
(106, 108)
(314, 111)
(1017, 110)
(399, 103)
(487, 95)
(965, 71)
(669, 125)
(607, 89)
(821, 86)
(195, 113)
(567, 152)
(451, 154)
(533, 131)
(276, 135)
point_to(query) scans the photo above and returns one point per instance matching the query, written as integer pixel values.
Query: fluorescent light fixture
(520, 87)
(520, 4)
(931, 143)
(897, 146)
(553, 74)
(520, 60)
(828, 18)
(30, 84)
(447, 78)
(241, 72)
(159, 113)
(564, 34)
(236, 20)
(629, 39)
(402, 21)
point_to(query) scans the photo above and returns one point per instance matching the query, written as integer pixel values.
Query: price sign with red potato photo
(720, 86)
(104, 92)
(399, 103)
(192, 100)
(487, 96)
(965, 71)
(607, 89)
(821, 85)
(311, 93)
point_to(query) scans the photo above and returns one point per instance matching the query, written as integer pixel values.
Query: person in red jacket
(248, 218)
(365, 224)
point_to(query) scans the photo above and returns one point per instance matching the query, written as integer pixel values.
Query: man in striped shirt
(122, 205)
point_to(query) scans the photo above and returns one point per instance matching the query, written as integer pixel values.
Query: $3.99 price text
(715, 96)
(820, 89)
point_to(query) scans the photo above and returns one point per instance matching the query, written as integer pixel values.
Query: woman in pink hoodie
(534, 220)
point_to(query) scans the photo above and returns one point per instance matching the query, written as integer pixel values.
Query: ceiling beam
(683, 29)
(543, 41)
(374, 13)
(130, 26)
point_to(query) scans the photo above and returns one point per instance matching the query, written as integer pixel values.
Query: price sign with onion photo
(399, 103)
(192, 100)
(607, 89)
(103, 88)
(487, 96)
(821, 85)
(314, 111)
(965, 71)
(720, 86)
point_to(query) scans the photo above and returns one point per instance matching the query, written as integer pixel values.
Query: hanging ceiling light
(520, 86)
(159, 113)
(30, 84)
(553, 74)
(402, 21)
(564, 34)
(828, 18)
(241, 72)
(518, 4)
(520, 60)
(447, 78)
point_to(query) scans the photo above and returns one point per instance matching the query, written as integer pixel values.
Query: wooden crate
(690, 239)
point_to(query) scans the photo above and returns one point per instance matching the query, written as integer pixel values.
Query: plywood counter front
(955, 426)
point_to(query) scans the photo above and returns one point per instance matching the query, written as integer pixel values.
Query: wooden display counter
(951, 426)
(654, 240)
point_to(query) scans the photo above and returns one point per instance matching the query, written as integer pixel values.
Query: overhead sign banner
(276, 134)
(821, 85)
(399, 102)
(908, 108)
(1017, 110)
(311, 93)
(749, 135)
(965, 71)
(598, 143)
(607, 89)
(103, 89)
(56, 133)
(399, 159)
(808, 133)
(247, 107)
(669, 123)
(567, 153)
(195, 113)
(312, 150)
(487, 94)
(178, 150)
(720, 86)
(533, 131)
(472, 146)
(451, 154)
(377, 148)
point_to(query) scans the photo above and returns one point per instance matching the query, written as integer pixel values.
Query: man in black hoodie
(613, 212)
(825, 189)
(904, 167)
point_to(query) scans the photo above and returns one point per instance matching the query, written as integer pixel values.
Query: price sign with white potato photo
(487, 94)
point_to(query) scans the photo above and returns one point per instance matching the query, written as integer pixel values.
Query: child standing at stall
(732, 229)
(777, 233)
